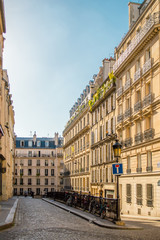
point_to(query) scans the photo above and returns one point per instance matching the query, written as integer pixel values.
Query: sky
(51, 52)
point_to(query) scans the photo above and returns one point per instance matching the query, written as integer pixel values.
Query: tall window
(52, 172)
(38, 181)
(38, 143)
(139, 194)
(29, 162)
(128, 164)
(139, 164)
(138, 96)
(148, 88)
(38, 162)
(149, 195)
(138, 127)
(46, 143)
(29, 172)
(46, 172)
(46, 162)
(148, 54)
(149, 161)
(29, 143)
(46, 181)
(128, 193)
(29, 153)
(29, 181)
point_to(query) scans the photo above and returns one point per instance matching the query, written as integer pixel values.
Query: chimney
(56, 138)
(34, 138)
(106, 68)
(133, 9)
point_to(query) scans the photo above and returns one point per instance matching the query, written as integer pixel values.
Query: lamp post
(117, 153)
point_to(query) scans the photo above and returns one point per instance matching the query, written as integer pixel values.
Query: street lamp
(117, 153)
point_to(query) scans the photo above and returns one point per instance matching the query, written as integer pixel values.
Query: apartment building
(137, 69)
(77, 146)
(103, 132)
(38, 165)
(7, 137)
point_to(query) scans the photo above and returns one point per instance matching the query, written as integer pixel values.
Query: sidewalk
(7, 212)
(90, 217)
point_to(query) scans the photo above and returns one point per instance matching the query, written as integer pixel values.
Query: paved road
(36, 219)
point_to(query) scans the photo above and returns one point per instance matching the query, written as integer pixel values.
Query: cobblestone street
(36, 219)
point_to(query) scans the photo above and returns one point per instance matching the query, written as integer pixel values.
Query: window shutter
(109, 104)
(109, 174)
(114, 100)
(109, 126)
(114, 124)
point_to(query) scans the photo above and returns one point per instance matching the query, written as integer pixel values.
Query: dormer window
(30, 143)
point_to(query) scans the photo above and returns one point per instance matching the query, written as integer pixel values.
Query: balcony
(137, 106)
(139, 170)
(139, 36)
(138, 138)
(128, 170)
(149, 169)
(127, 84)
(67, 173)
(147, 100)
(137, 75)
(146, 66)
(128, 113)
(119, 91)
(120, 118)
(149, 134)
(82, 170)
(128, 142)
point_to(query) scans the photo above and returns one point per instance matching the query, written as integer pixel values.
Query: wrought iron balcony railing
(127, 84)
(119, 91)
(147, 100)
(139, 170)
(136, 40)
(146, 66)
(120, 118)
(149, 134)
(137, 106)
(128, 142)
(137, 75)
(138, 138)
(128, 113)
(149, 169)
(128, 170)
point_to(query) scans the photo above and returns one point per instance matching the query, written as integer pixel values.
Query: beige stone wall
(50, 159)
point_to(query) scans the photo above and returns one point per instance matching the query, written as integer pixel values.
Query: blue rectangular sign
(117, 168)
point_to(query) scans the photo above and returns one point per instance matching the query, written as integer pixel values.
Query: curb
(9, 222)
(92, 220)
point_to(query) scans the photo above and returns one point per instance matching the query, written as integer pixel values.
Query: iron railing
(105, 207)
(137, 106)
(149, 134)
(138, 138)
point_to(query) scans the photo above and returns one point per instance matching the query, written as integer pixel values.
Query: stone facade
(38, 165)
(7, 137)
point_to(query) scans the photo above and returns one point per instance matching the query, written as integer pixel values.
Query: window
(128, 193)
(29, 181)
(127, 103)
(52, 163)
(52, 172)
(148, 88)
(38, 172)
(29, 153)
(46, 181)
(21, 172)
(128, 164)
(37, 191)
(148, 123)
(112, 102)
(138, 65)
(29, 143)
(38, 162)
(38, 181)
(106, 107)
(52, 181)
(22, 143)
(52, 189)
(38, 143)
(138, 96)
(46, 162)
(29, 162)
(15, 181)
(15, 191)
(138, 127)
(148, 54)
(139, 164)
(29, 172)
(46, 172)
(149, 161)
(139, 194)
(21, 191)
(149, 195)
(21, 181)
(29, 190)
(46, 143)
(128, 75)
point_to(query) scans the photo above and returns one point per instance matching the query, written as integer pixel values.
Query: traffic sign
(117, 168)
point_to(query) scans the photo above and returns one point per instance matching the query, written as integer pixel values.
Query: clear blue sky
(52, 49)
